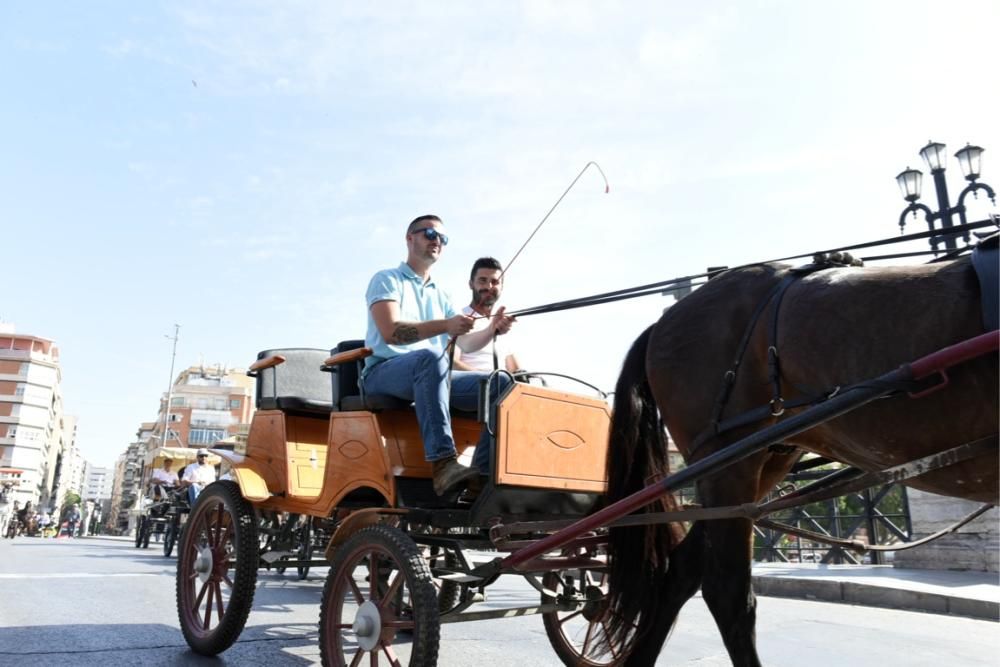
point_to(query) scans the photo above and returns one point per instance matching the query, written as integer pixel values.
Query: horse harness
(777, 405)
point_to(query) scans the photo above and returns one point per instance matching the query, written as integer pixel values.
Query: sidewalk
(973, 594)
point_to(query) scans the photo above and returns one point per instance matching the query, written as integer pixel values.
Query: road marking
(78, 575)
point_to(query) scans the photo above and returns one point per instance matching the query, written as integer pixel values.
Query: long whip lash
(607, 189)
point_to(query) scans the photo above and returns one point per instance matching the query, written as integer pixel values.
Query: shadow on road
(152, 644)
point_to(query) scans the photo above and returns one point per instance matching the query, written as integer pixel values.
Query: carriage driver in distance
(410, 323)
(163, 479)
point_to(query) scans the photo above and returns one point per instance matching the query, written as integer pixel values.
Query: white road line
(78, 575)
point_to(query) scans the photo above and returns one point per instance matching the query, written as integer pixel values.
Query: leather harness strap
(777, 405)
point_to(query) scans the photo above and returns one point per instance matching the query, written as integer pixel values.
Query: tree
(72, 498)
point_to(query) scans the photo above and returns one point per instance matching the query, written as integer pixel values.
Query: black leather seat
(297, 385)
(347, 392)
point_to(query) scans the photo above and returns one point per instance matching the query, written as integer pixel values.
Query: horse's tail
(637, 454)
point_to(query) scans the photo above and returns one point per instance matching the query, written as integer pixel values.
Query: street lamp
(935, 157)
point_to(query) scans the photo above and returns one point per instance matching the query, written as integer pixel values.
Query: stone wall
(975, 546)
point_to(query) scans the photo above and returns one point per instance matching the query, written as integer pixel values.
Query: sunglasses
(432, 234)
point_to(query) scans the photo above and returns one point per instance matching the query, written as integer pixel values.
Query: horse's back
(834, 328)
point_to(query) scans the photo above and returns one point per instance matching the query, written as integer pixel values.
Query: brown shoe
(449, 473)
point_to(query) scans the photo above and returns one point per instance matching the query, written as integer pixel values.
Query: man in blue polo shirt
(410, 324)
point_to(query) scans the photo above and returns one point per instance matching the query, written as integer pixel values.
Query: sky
(243, 168)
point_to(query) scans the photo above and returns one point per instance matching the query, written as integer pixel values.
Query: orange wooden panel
(306, 451)
(553, 440)
(356, 458)
(266, 447)
(406, 448)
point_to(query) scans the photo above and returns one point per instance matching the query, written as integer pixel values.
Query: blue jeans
(421, 376)
(193, 492)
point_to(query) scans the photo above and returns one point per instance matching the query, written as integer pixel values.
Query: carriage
(162, 512)
(558, 501)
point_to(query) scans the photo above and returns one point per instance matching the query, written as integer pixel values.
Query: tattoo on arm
(405, 334)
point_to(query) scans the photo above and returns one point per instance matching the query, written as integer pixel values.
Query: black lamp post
(970, 160)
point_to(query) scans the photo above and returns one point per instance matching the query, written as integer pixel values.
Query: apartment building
(32, 429)
(207, 404)
(99, 484)
(71, 467)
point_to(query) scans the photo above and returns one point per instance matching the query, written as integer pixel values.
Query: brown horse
(833, 328)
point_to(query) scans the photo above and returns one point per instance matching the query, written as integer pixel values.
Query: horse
(824, 330)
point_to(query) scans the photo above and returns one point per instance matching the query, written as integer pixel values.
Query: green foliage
(72, 498)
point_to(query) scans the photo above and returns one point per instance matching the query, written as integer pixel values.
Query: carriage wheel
(449, 592)
(305, 550)
(579, 637)
(138, 532)
(147, 532)
(216, 568)
(378, 585)
(169, 537)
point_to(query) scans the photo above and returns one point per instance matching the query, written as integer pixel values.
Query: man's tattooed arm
(405, 334)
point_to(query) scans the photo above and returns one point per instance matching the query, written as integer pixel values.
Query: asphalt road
(99, 602)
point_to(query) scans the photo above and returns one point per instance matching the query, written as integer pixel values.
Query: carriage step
(272, 556)
(460, 578)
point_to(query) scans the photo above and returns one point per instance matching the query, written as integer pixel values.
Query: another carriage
(162, 510)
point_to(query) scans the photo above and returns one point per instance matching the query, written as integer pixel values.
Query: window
(177, 402)
(11, 431)
(19, 391)
(205, 436)
(235, 403)
(219, 404)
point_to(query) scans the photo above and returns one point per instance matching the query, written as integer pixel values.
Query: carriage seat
(349, 396)
(347, 387)
(296, 385)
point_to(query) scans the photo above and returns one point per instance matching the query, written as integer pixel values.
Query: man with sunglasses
(411, 322)
(197, 476)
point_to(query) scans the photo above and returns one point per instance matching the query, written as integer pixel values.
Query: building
(127, 490)
(71, 467)
(206, 405)
(99, 484)
(32, 430)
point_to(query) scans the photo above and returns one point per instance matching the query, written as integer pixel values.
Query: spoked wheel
(579, 637)
(378, 585)
(216, 568)
(305, 551)
(147, 532)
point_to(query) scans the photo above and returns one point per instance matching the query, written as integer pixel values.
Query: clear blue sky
(243, 168)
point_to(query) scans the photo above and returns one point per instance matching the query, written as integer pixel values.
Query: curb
(867, 595)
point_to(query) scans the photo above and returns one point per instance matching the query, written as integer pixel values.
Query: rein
(685, 282)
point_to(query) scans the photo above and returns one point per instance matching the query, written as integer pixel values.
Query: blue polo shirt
(418, 301)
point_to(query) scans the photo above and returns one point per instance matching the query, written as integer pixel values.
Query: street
(100, 601)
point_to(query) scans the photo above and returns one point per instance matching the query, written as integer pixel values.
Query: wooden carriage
(319, 447)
